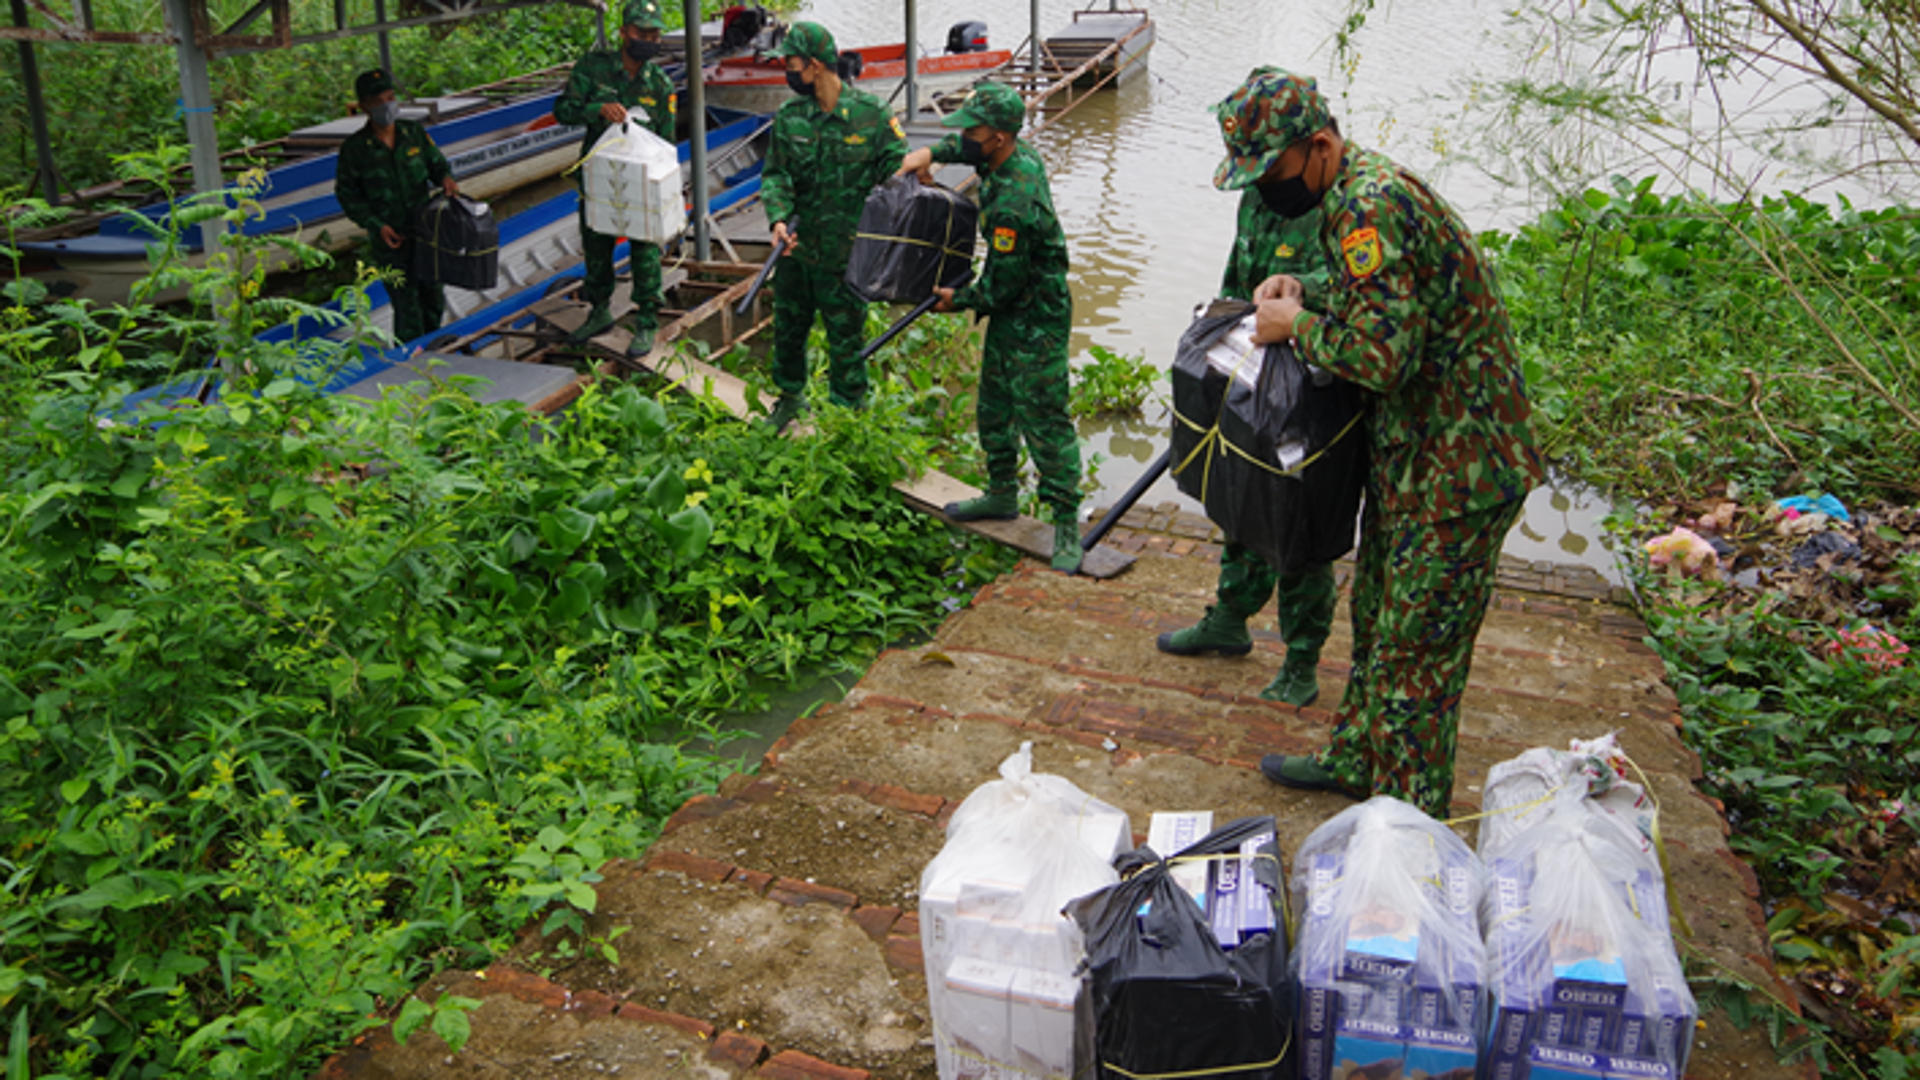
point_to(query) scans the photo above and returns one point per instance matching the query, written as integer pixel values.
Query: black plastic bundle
(457, 243)
(1164, 997)
(911, 237)
(1275, 450)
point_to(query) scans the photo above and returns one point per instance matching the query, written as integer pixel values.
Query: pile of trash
(1810, 557)
(1543, 955)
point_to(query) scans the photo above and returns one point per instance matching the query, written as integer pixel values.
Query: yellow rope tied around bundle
(1211, 435)
(945, 246)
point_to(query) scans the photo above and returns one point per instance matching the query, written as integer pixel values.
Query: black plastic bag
(1276, 450)
(457, 243)
(1161, 994)
(911, 237)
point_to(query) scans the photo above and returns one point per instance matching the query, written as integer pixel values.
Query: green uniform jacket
(377, 186)
(1417, 318)
(1265, 244)
(1026, 268)
(822, 166)
(600, 78)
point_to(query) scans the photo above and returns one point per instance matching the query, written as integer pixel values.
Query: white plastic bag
(1000, 958)
(1581, 960)
(1389, 956)
(631, 186)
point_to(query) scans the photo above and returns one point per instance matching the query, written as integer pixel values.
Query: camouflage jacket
(1417, 318)
(600, 78)
(1026, 267)
(1265, 244)
(822, 166)
(377, 186)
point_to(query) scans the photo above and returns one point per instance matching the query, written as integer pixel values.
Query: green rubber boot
(1067, 551)
(642, 341)
(1216, 632)
(599, 321)
(1297, 684)
(786, 411)
(993, 506)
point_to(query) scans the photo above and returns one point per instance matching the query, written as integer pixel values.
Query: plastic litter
(1164, 997)
(911, 237)
(458, 243)
(1583, 972)
(1823, 504)
(632, 185)
(1809, 554)
(1000, 958)
(1275, 448)
(1389, 961)
(1685, 549)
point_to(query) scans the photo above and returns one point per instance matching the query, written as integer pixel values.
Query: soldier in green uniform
(832, 145)
(1415, 317)
(1022, 290)
(606, 88)
(1265, 244)
(386, 173)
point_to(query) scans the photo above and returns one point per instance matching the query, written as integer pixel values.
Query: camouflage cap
(371, 84)
(1269, 112)
(996, 105)
(645, 14)
(808, 41)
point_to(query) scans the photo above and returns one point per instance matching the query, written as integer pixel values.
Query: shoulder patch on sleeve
(1361, 248)
(898, 131)
(1004, 239)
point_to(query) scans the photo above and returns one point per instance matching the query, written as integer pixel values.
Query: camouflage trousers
(800, 289)
(1024, 386)
(418, 308)
(1306, 599)
(644, 262)
(1420, 592)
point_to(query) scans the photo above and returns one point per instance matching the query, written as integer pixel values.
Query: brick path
(771, 930)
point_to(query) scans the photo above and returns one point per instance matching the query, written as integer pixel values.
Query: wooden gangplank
(926, 493)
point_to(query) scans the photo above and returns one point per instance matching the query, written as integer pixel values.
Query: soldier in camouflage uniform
(606, 88)
(1415, 317)
(1266, 244)
(832, 145)
(1023, 292)
(386, 173)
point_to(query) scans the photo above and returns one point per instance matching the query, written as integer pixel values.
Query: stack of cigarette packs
(1384, 990)
(1238, 903)
(1563, 1005)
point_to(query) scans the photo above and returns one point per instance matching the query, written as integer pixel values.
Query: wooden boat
(760, 84)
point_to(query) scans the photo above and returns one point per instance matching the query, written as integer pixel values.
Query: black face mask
(794, 83)
(643, 51)
(972, 151)
(1291, 198)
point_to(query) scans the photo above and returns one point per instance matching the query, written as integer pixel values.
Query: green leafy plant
(1112, 384)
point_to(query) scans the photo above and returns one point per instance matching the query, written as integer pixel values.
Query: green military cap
(808, 41)
(371, 84)
(996, 105)
(644, 14)
(1269, 112)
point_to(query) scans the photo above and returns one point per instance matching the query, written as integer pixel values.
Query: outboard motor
(740, 24)
(967, 37)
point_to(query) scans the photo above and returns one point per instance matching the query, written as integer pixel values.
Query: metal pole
(386, 39)
(697, 101)
(913, 64)
(1035, 39)
(1139, 488)
(46, 173)
(196, 103)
